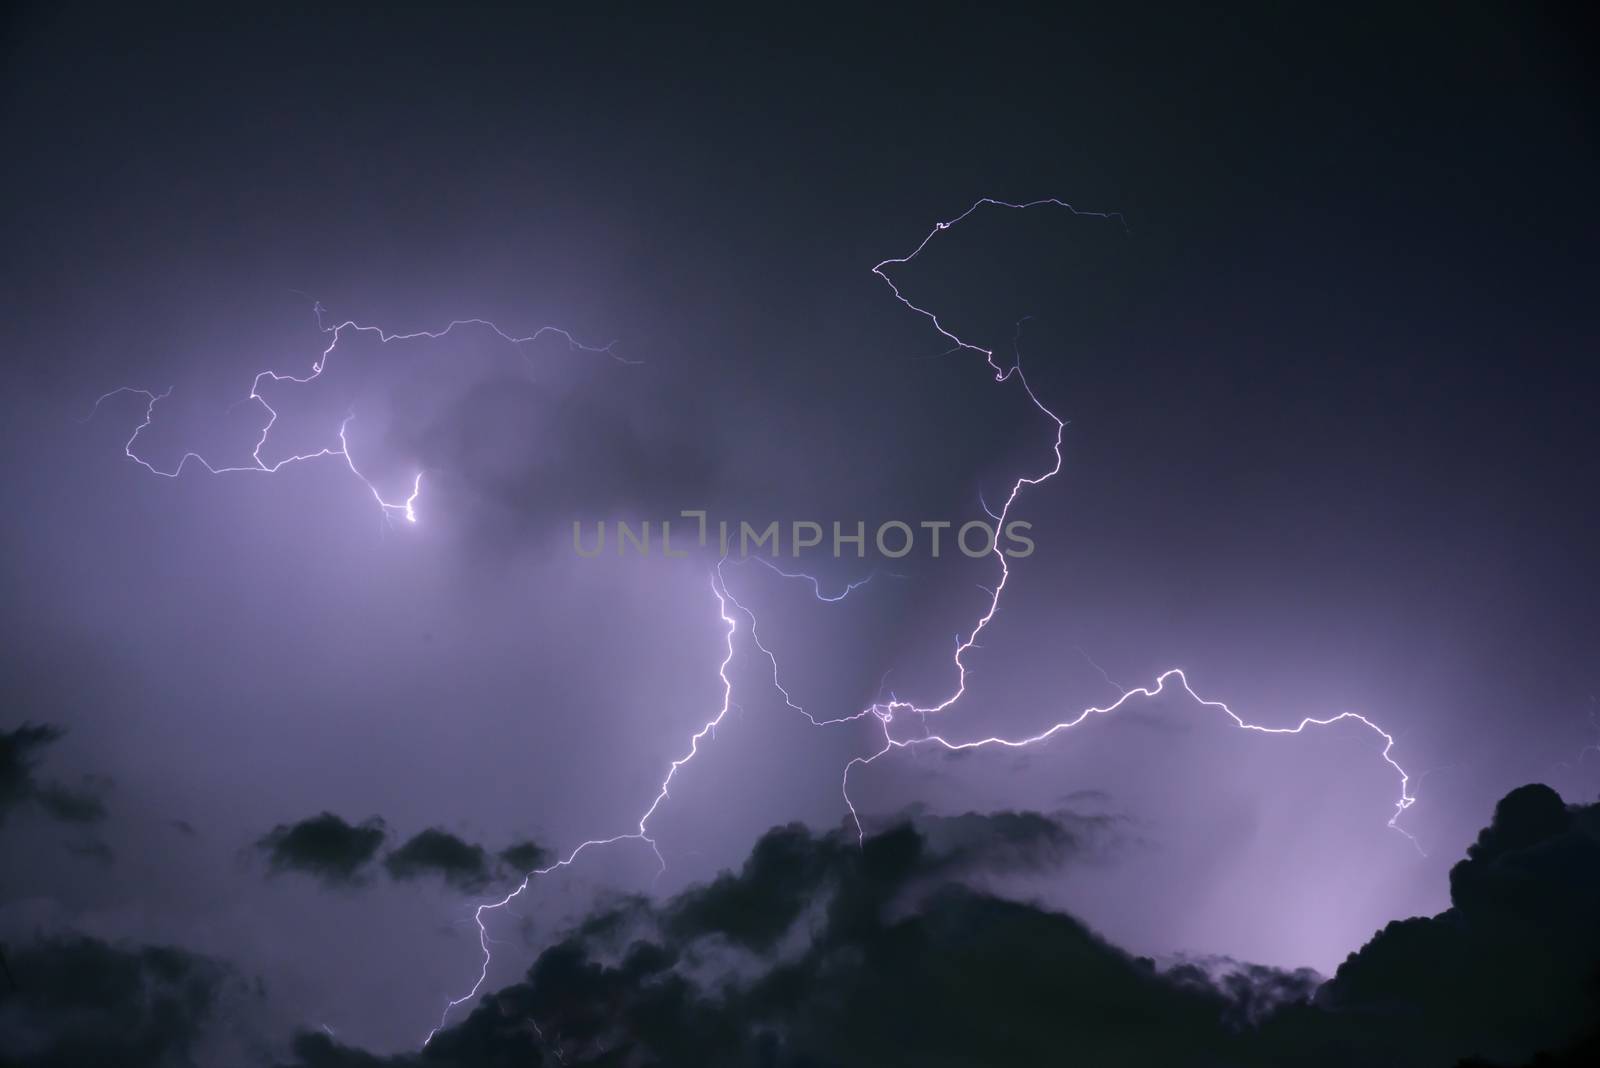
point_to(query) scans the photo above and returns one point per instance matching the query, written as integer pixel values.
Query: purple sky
(1325, 452)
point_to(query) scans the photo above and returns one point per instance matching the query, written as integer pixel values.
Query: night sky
(1320, 322)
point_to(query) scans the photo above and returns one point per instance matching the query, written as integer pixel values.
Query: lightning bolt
(730, 610)
(640, 833)
(886, 713)
(406, 507)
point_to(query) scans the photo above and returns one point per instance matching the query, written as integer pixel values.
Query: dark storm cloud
(756, 906)
(19, 755)
(339, 853)
(877, 954)
(524, 857)
(324, 846)
(80, 1001)
(1254, 991)
(436, 852)
(790, 869)
(1013, 841)
(1513, 965)
(822, 951)
(894, 962)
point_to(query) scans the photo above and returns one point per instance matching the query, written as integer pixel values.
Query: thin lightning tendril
(1577, 762)
(816, 584)
(885, 713)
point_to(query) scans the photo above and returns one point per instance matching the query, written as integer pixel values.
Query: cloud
(864, 954)
(17, 760)
(436, 852)
(19, 755)
(823, 950)
(1254, 991)
(820, 951)
(340, 853)
(1512, 966)
(79, 1001)
(324, 846)
(524, 857)
(70, 806)
(1013, 842)
(756, 906)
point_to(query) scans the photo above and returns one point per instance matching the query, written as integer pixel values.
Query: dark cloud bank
(338, 853)
(324, 846)
(822, 952)
(72, 1002)
(436, 852)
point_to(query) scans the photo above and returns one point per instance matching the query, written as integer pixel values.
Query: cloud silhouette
(324, 846)
(823, 951)
(75, 1000)
(819, 951)
(340, 854)
(19, 755)
(524, 857)
(1511, 967)
(436, 852)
